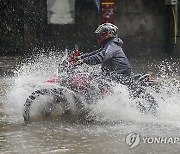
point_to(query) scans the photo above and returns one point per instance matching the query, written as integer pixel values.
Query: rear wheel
(146, 103)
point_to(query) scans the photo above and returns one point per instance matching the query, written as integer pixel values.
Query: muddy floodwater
(117, 128)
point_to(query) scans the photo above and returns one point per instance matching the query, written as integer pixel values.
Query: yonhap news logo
(135, 139)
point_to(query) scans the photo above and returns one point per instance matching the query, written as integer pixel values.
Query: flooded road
(115, 120)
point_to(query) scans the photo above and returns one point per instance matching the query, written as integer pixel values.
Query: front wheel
(48, 99)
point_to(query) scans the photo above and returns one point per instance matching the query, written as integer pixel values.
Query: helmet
(105, 31)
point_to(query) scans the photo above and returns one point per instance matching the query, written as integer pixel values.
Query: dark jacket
(112, 58)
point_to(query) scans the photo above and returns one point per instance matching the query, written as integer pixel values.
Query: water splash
(28, 77)
(114, 108)
(120, 107)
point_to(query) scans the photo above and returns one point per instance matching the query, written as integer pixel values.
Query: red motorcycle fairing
(54, 80)
(79, 81)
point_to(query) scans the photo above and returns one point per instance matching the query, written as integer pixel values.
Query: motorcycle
(74, 90)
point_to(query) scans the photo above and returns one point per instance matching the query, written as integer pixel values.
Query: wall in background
(143, 26)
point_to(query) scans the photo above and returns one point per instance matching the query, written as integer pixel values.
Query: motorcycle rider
(114, 63)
